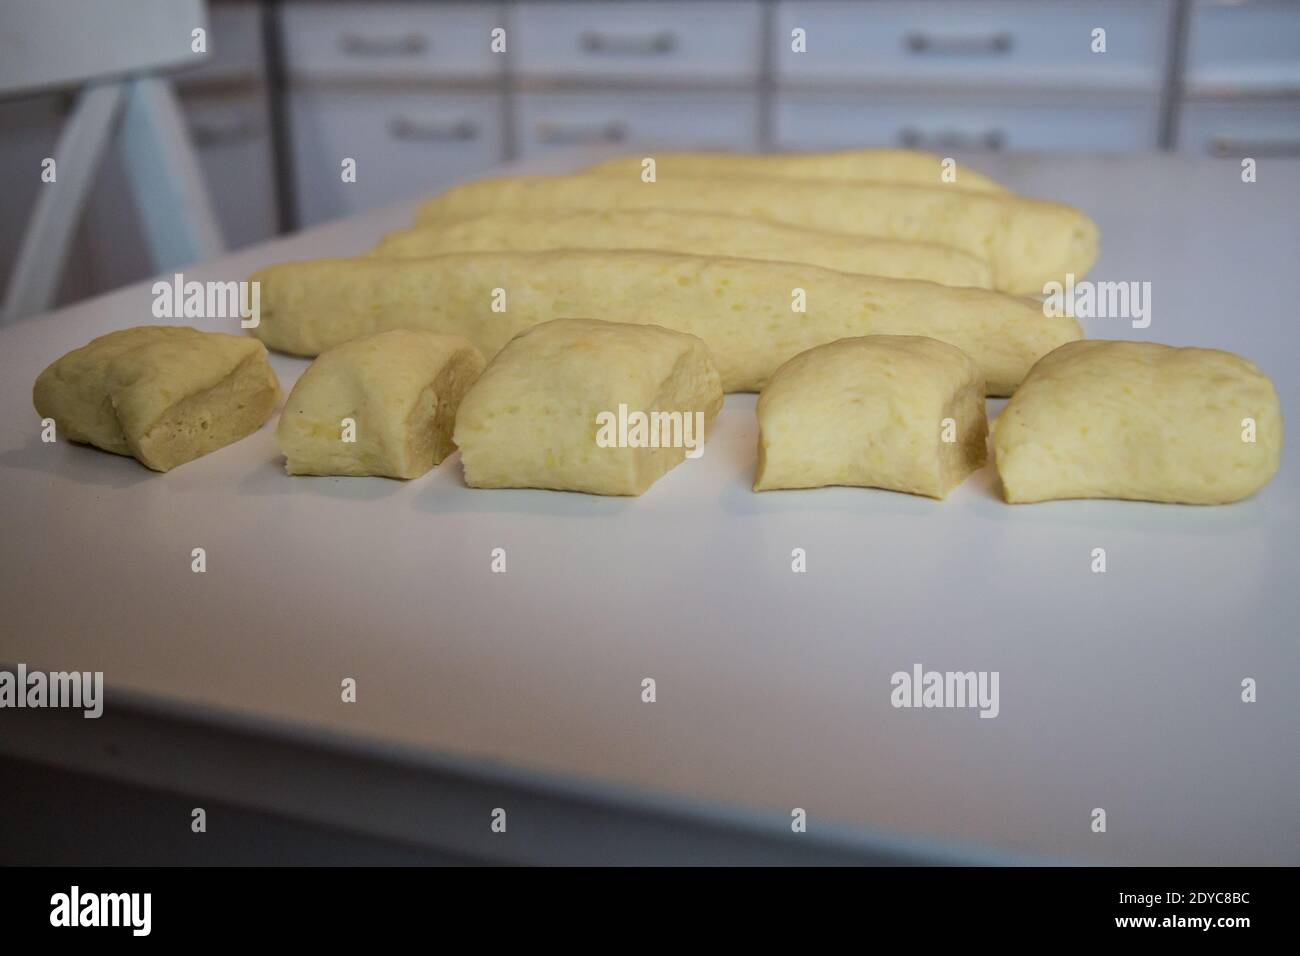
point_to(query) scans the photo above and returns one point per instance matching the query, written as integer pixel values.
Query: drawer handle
(1225, 146)
(212, 134)
(653, 44)
(995, 44)
(611, 132)
(409, 44)
(994, 140)
(457, 131)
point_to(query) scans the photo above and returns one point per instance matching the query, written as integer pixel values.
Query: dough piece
(400, 388)
(743, 309)
(882, 165)
(874, 412)
(1027, 242)
(164, 394)
(1141, 421)
(695, 233)
(539, 413)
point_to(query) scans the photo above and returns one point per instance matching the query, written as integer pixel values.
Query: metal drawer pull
(611, 132)
(654, 44)
(995, 44)
(211, 134)
(994, 140)
(1224, 146)
(456, 131)
(409, 44)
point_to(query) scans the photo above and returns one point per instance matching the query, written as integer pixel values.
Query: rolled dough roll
(163, 394)
(694, 233)
(1141, 421)
(1027, 242)
(743, 309)
(399, 389)
(901, 412)
(538, 415)
(883, 165)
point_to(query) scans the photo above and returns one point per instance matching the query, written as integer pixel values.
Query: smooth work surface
(1119, 691)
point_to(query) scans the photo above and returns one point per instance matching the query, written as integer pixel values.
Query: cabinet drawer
(814, 121)
(558, 120)
(231, 136)
(1236, 130)
(234, 46)
(406, 143)
(387, 40)
(1243, 48)
(666, 41)
(980, 42)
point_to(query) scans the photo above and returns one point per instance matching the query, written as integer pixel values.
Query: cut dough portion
(884, 165)
(695, 233)
(400, 391)
(1141, 421)
(1027, 242)
(742, 308)
(164, 394)
(876, 412)
(558, 408)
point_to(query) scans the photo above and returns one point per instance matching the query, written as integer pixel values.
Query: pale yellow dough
(399, 389)
(163, 394)
(743, 309)
(1141, 421)
(874, 412)
(885, 165)
(533, 418)
(1026, 242)
(694, 233)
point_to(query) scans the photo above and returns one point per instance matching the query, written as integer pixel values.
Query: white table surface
(1119, 691)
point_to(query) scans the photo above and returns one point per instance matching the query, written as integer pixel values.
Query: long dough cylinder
(884, 165)
(694, 233)
(900, 412)
(742, 308)
(163, 394)
(1027, 242)
(557, 408)
(1140, 421)
(393, 394)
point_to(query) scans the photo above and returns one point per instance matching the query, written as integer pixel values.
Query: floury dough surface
(163, 394)
(1139, 420)
(534, 419)
(743, 309)
(873, 412)
(399, 389)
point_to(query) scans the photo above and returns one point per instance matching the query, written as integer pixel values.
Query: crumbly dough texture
(871, 411)
(743, 309)
(531, 420)
(694, 233)
(1141, 421)
(884, 165)
(163, 394)
(401, 390)
(1026, 242)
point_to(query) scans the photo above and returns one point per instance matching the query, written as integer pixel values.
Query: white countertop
(1119, 691)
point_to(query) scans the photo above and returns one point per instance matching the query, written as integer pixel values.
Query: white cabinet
(1242, 48)
(405, 142)
(688, 118)
(232, 136)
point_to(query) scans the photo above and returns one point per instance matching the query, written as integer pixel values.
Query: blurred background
(414, 93)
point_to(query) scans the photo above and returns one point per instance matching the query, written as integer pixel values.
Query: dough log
(1026, 242)
(900, 412)
(558, 408)
(694, 233)
(400, 391)
(884, 165)
(743, 309)
(163, 394)
(1141, 421)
